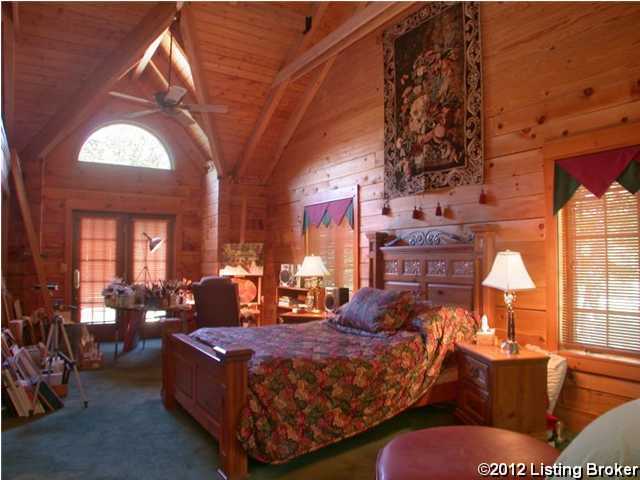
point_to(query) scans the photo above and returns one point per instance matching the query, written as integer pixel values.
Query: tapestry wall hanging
(433, 100)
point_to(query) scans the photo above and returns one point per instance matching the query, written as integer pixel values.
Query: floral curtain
(596, 171)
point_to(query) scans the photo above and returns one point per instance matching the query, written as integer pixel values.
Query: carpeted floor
(127, 434)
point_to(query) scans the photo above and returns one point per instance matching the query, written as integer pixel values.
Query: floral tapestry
(433, 100)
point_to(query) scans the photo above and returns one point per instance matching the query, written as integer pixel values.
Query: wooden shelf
(295, 294)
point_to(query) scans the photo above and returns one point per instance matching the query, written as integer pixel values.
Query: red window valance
(327, 212)
(596, 171)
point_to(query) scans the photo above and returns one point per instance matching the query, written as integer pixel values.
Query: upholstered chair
(217, 302)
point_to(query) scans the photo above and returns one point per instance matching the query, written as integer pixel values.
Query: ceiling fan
(170, 102)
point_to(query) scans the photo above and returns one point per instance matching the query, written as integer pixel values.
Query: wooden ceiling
(237, 53)
(57, 46)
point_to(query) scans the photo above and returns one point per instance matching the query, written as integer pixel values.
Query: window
(127, 145)
(156, 261)
(109, 245)
(334, 243)
(599, 259)
(330, 232)
(97, 263)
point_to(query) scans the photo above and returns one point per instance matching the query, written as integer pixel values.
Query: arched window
(125, 144)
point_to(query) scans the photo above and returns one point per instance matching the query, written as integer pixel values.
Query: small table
(130, 322)
(456, 452)
(501, 390)
(301, 317)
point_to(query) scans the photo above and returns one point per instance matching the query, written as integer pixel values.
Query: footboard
(211, 385)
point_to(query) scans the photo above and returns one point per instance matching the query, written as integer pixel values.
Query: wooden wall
(551, 70)
(61, 184)
(234, 212)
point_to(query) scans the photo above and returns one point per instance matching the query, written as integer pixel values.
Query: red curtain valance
(596, 171)
(328, 212)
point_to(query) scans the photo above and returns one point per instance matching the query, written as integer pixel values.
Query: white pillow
(556, 373)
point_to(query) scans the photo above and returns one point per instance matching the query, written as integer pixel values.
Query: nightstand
(500, 390)
(301, 317)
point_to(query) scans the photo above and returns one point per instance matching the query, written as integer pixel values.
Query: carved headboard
(445, 268)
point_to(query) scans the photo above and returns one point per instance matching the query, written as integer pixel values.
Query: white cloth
(611, 438)
(556, 373)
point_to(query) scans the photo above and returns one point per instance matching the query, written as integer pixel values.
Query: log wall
(549, 71)
(60, 184)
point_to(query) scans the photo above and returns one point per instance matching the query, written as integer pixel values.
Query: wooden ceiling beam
(277, 92)
(146, 58)
(298, 114)
(29, 227)
(178, 51)
(301, 109)
(187, 28)
(195, 131)
(87, 97)
(358, 26)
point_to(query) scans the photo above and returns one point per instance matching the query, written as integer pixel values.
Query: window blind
(156, 261)
(334, 243)
(97, 264)
(599, 248)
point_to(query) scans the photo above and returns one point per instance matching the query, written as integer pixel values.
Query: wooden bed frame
(211, 383)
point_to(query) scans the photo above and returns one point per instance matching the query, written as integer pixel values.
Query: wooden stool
(454, 453)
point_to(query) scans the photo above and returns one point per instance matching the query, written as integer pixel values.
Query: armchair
(217, 302)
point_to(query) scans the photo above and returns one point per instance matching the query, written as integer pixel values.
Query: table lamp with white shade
(509, 274)
(313, 267)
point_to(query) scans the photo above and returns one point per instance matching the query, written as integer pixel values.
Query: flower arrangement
(431, 112)
(159, 294)
(117, 294)
(167, 293)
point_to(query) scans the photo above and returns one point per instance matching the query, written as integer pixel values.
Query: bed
(276, 392)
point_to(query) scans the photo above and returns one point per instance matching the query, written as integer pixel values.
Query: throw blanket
(311, 385)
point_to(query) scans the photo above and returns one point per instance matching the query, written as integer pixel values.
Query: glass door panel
(97, 262)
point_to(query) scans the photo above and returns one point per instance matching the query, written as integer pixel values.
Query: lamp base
(510, 347)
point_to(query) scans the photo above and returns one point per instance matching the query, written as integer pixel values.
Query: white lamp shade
(508, 273)
(312, 266)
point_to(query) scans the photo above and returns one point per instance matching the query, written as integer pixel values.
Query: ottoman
(455, 453)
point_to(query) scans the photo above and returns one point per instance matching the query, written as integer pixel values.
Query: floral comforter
(311, 385)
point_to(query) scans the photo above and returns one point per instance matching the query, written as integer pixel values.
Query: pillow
(610, 439)
(374, 310)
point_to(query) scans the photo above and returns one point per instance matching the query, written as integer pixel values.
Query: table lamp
(313, 267)
(509, 274)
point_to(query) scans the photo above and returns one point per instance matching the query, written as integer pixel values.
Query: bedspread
(311, 385)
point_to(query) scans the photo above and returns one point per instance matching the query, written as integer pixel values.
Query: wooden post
(485, 247)
(32, 238)
(376, 267)
(243, 217)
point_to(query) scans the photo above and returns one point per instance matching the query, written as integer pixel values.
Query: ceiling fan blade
(182, 117)
(174, 94)
(142, 113)
(194, 107)
(131, 98)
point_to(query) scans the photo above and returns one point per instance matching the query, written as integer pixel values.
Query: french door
(110, 245)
